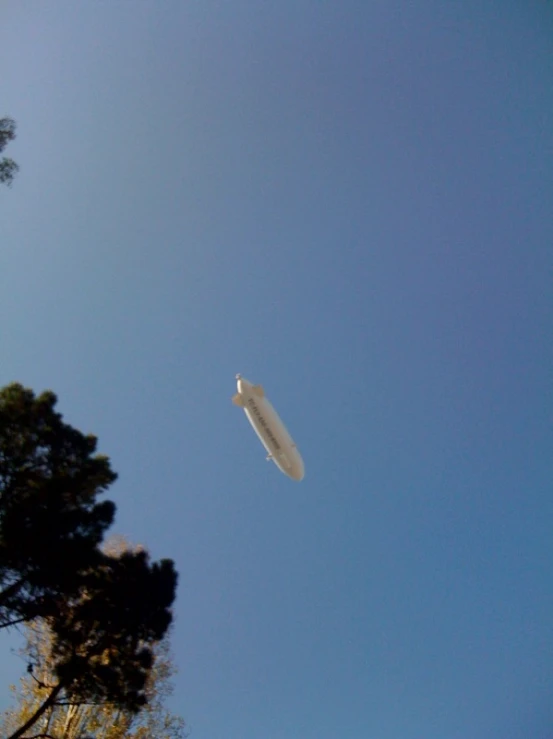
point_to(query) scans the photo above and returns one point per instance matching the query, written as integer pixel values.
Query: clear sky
(351, 203)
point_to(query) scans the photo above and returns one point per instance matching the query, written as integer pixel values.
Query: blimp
(266, 423)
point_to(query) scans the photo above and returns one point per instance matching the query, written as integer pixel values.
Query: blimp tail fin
(258, 390)
(237, 400)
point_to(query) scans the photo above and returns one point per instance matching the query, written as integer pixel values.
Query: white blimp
(270, 429)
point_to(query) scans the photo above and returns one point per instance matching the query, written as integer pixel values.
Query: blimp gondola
(266, 423)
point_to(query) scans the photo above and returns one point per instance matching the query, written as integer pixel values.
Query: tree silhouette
(50, 522)
(105, 612)
(8, 168)
(102, 721)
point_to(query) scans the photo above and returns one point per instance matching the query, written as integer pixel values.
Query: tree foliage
(104, 612)
(8, 168)
(74, 720)
(50, 522)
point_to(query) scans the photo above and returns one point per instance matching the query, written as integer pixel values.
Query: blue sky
(352, 204)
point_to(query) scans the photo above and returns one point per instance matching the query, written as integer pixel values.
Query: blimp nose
(298, 471)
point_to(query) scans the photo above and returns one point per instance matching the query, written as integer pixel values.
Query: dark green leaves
(105, 611)
(50, 522)
(8, 168)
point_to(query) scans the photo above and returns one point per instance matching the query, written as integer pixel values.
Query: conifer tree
(8, 168)
(104, 613)
(75, 720)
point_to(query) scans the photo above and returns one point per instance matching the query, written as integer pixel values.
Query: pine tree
(8, 168)
(70, 719)
(104, 614)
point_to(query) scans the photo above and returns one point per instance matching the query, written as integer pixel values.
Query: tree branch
(11, 590)
(83, 703)
(13, 623)
(38, 713)
(40, 683)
